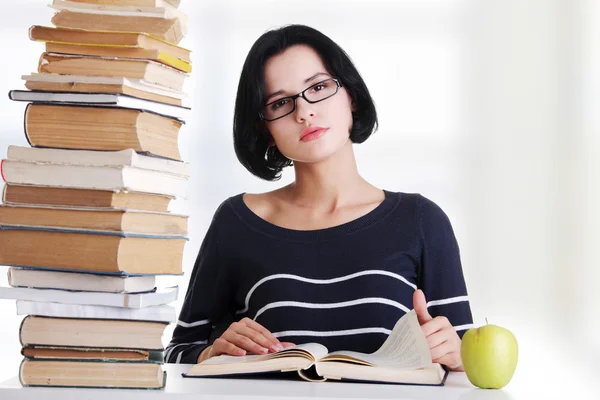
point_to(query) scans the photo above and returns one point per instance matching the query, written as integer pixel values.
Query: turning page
(405, 347)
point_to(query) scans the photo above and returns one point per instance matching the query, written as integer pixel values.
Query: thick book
(118, 176)
(139, 300)
(143, 3)
(170, 29)
(88, 353)
(102, 333)
(404, 358)
(120, 158)
(104, 84)
(92, 374)
(113, 178)
(131, 221)
(165, 10)
(86, 250)
(148, 70)
(164, 313)
(75, 198)
(79, 282)
(80, 127)
(109, 100)
(124, 39)
(119, 52)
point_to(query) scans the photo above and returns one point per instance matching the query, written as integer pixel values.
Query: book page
(406, 347)
(313, 351)
(316, 350)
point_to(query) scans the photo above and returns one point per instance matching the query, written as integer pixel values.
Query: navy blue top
(344, 287)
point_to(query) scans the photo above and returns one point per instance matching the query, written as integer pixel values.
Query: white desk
(457, 387)
(547, 369)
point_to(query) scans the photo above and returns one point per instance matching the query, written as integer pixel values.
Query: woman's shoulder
(241, 203)
(423, 206)
(260, 203)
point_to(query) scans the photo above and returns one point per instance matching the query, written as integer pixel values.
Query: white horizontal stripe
(367, 300)
(332, 333)
(323, 281)
(464, 327)
(192, 324)
(450, 300)
(170, 350)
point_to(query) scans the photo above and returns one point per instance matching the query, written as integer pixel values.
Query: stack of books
(85, 226)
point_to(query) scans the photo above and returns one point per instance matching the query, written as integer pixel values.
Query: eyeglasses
(286, 105)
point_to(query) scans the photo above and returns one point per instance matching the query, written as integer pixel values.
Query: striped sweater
(344, 287)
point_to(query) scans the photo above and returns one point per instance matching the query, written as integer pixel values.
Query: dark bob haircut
(250, 134)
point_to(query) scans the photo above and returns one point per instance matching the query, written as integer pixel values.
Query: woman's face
(289, 73)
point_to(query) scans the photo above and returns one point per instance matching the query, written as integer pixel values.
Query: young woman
(329, 258)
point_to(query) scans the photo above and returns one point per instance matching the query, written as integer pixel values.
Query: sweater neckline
(258, 223)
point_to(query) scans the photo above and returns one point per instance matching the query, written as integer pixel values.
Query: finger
(245, 343)
(437, 338)
(287, 344)
(451, 360)
(436, 324)
(441, 350)
(420, 307)
(257, 338)
(222, 346)
(259, 328)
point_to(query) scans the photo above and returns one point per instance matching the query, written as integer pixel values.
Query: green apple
(489, 355)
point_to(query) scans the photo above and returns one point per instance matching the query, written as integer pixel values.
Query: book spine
(21, 372)
(30, 32)
(41, 62)
(25, 125)
(9, 276)
(21, 330)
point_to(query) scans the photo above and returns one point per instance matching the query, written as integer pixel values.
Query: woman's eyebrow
(305, 81)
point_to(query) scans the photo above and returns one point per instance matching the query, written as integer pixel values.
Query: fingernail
(263, 350)
(277, 347)
(241, 352)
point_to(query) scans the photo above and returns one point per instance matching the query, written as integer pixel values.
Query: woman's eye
(279, 103)
(319, 87)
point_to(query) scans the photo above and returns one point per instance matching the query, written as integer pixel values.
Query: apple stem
(486, 322)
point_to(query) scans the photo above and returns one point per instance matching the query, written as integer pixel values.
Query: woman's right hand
(245, 336)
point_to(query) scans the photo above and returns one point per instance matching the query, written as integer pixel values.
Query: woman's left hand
(444, 342)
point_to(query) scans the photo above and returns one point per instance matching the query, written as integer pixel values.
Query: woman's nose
(304, 110)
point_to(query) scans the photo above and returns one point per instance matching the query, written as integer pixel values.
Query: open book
(404, 358)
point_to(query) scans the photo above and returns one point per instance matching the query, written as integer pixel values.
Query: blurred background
(488, 108)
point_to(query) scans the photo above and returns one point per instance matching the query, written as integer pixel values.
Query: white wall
(487, 108)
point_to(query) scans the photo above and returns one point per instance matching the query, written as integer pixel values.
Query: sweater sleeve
(205, 305)
(441, 275)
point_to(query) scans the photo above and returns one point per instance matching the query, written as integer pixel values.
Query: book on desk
(404, 358)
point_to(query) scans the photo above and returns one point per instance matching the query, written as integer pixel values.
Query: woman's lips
(314, 134)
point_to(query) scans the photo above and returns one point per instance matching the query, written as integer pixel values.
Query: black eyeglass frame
(301, 94)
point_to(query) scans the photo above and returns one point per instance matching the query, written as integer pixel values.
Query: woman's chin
(315, 155)
(317, 150)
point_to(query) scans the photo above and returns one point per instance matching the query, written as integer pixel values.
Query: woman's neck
(330, 184)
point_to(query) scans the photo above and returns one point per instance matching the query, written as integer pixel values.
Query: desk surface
(457, 387)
